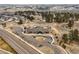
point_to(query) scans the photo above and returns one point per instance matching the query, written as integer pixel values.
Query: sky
(39, 1)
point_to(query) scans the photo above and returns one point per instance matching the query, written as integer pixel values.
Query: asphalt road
(19, 45)
(57, 49)
(48, 36)
(4, 51)
(28, 46)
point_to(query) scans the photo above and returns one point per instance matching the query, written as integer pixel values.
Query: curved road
(57, 49)
(44, 35)
(22, 46)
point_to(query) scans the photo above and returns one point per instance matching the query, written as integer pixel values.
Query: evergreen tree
(70, 23)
